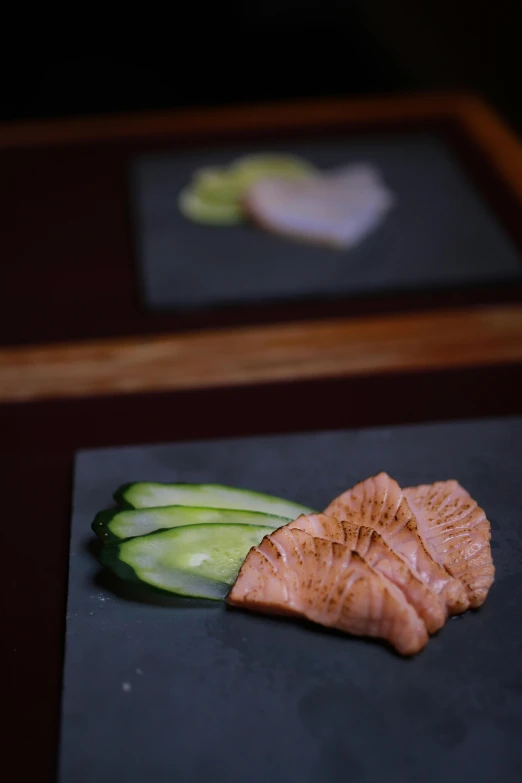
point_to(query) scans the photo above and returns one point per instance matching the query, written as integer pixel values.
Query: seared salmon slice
(457, 534)
(294, 573)
(371, 546)
(379, 503)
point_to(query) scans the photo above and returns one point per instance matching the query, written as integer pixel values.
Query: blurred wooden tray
(370, 346)
(70, 270)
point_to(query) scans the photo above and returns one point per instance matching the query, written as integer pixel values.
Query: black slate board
(439, 234)
(196, 692)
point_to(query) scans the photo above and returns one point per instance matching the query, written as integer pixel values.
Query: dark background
(84, 60)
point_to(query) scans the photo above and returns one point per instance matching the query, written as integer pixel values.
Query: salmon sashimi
(294, 573)
(379, 503)
(371, 546)
(457, 534)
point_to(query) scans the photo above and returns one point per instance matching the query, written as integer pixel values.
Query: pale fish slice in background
(337, 208)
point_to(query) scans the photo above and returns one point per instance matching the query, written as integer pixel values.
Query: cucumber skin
(101, 523)
(109, 558)
(120, 494)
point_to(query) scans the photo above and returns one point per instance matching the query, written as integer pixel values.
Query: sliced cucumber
(215, 193)
(115, 524)
(196, 208)
(249, 168)
(148, 494)
(216, 185)
(195, 560)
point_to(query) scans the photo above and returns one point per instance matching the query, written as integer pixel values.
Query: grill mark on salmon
(371, 546)
(326, 583)
(379, 503)
(457, 534)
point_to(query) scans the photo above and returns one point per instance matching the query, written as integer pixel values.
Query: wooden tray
(68, 240)
(40, 438)
(373, 347)
(146, 677)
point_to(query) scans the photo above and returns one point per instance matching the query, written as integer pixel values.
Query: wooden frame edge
(183, 122)
(474, 337)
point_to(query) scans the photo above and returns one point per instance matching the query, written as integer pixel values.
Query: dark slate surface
(439, 234)
(191, 691)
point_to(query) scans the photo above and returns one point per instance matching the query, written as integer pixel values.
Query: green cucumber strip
(216, 186)
(196, 208)
(115, 524)
(195, 560)
(148, 494)
(249, 168)
(215, 193)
